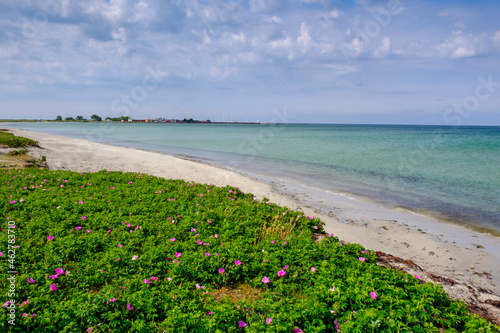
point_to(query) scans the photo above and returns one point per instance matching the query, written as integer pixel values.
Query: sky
(316, 61)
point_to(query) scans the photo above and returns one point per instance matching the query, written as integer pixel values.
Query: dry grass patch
(237, 293)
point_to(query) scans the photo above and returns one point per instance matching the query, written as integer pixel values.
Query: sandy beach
(467, 263)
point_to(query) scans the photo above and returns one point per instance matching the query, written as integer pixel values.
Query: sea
(449, 172)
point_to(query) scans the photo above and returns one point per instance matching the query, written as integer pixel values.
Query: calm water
(452, 172)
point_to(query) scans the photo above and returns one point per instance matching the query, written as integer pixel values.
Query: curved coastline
(439, 248)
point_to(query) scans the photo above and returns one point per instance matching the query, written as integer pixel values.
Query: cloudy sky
(327, 61)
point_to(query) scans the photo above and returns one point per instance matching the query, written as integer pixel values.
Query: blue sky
(326, 61)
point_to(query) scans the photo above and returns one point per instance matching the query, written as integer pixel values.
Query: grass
(13, 141)
(125, 252)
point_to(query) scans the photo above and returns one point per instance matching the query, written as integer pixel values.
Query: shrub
(13, 141)
(124, 252)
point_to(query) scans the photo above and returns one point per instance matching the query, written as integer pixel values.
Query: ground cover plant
(125, 252)
(13, 141)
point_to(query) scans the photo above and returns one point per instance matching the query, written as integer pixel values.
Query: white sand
(438, 248)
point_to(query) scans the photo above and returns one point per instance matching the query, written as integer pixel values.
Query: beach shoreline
(470, 259)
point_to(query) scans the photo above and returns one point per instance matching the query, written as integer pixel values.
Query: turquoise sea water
(451, 172)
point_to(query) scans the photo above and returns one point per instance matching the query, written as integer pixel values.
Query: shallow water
(450, 172)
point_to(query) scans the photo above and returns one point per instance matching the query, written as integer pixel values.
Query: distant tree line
(94, 117)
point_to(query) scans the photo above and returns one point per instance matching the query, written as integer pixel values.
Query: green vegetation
(123, 118)
(95, 117)
(59, 118)
(69, 119)
(124, 252)
(13, 141)
(18, 152)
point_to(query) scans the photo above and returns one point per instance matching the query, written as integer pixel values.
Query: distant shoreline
(236, 123)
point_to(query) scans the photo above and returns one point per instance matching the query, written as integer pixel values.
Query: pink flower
(207, 254)
(78, 228)
(83, 218)
(221, 270)
(109, 231)
(89, 231)
(172, 239)
(199, 242)
(242, 324)
(147, 281)
(373, 295)
(286, 266)
(297, 330)
(59, 271)
(24, 314)
(12, 202)
(135, 257)
(154, 278)
(269, 320)
(112, 300)
(313, 269)
(237, 262)
(362, 259)
(265, 279)
(281, 273)
(6, 304)
(1, 254)
(53, 287)
(178, 254)
(129, 307)
(417, 276)
(30, 280)
(50, 237)
(119, 245)
(210, 313)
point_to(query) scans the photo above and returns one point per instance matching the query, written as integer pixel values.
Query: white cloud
(284, 43)
(460, 45)
(267, 5)
(384, 49)
(304, 41)
(119, 34)
(496, 37)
